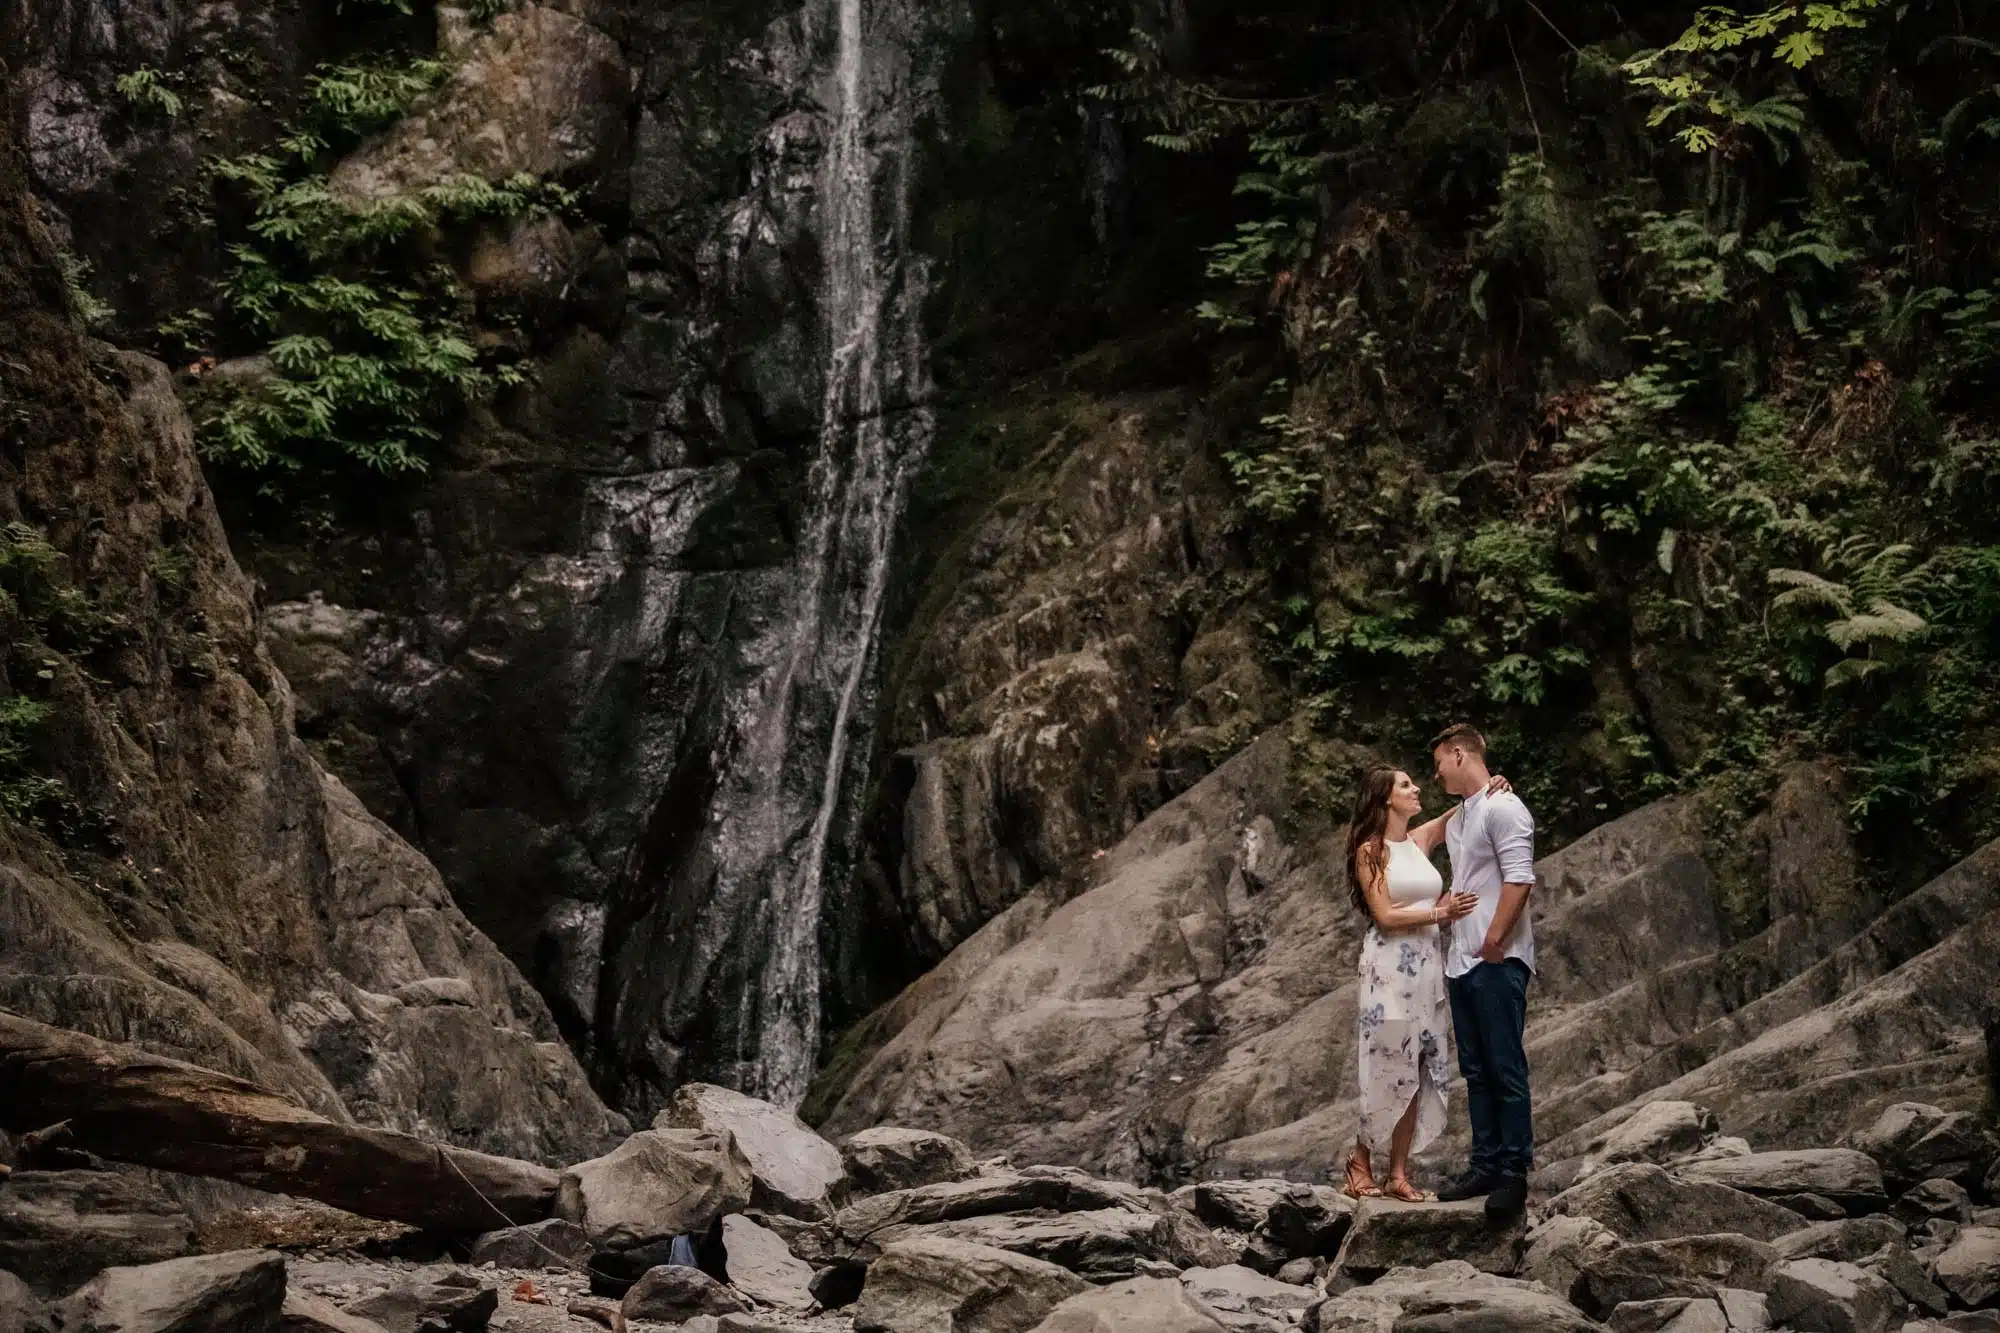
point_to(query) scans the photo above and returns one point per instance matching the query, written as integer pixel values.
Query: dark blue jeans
(1489, 1010)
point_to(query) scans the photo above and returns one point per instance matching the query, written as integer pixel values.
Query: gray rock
(1239, 1204)
(1969, 1268)
(1262, 1254)
(1679, 1314)
(538, 92)
(671, 1293)
(306, 1313)
(438, 990)
(1944, 1199)
(1851, 1179)
(1659, 1132)
(241, 1292)
(453, 1301)
(657, 1184)
(1300, 1272)
(762, 1268)
(1388, 1235)
(1104, 1244)
(1973, 1321)
(1916, 1142)
(929, 1284)
(1815, 1207)
(1639, 1201)
(979, 1197)
(1140, 1305)
(21, 1311)
(555, 1243)
(1309, 1221)
(1895, 1265)
(1448, 1296)
(1636, 1274)
(1824, 1296)
(1747, 1311)
(890, 1158)
(1848, 1241)
(1558, 1248)
(839, 1284)
(1234, 1289)
(1992, 1185)
(1726, 1260)
(57, 1228)
(793, 1170)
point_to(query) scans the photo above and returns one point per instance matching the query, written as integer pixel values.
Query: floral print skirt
(1404, 1015)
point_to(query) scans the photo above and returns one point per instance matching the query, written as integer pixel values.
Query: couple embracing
(1432, 957)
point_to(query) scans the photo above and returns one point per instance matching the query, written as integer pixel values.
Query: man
(1489, 957)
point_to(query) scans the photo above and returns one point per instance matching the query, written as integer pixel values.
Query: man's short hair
(1463, 735)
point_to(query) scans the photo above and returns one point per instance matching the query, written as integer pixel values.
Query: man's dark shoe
(1508, 1200)
(1469, 1184)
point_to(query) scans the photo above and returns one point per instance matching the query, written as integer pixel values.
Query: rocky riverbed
(732, 1216)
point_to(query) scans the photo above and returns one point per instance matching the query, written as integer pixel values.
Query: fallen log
(126, 1105)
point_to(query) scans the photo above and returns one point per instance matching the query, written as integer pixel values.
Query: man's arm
(1513, 830)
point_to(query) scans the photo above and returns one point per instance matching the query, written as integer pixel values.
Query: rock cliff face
(1192, 1011)
(209, 891)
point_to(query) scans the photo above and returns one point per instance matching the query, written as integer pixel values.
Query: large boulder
(761, 1267)
(1689, 1267)
(793, 1170)
(1388, 1234)
(539, 93)
(1448, 1296)
(21, 1311)
(242, 1292)
(1672, 1314)
(1101, 1243)
(657, 1184)
(1004, 1193)
(58, 1228)
(553, 1243)
(1659, 1132)
(1969, 1268)
(930, 1283)
(1141, 1305)
(673, 1293)
(1851, 1179)
(1233, 1290)
(1558, 1249)
(453, 1301)
(1847, 1240)
(1640, 1201)
(1895, 1265)
(888, 1157)
(1824, 1296)
(1915, 1142)
(307, 1313)
(1309, 1221)
(1241, 1205)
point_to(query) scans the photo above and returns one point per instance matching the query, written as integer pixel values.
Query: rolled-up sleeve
(1513, 831)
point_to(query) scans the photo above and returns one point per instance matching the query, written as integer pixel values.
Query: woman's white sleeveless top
(1411, 878)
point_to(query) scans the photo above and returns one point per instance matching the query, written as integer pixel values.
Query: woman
(1404, 1012)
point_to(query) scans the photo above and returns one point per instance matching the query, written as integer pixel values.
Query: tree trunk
(126, 1105)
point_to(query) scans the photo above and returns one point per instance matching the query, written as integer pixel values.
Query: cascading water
(714, 972)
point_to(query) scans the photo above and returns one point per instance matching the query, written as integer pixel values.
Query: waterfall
(869, 445)
(715, 970)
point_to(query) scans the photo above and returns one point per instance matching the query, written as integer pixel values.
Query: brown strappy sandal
(1401, 1188)
(1364, 1187)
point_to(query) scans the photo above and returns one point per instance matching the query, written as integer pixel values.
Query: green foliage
(365, 331)
(147, 89)
(1701, 76)
(76, 275)
(1294, 145)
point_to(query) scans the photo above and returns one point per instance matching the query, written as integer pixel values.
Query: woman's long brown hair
(1365, 829)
